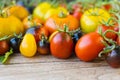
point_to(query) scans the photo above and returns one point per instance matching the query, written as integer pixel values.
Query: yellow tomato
(41, 10)
(55, 11)
(28, 46)
(10, 25)
(18, 11)
(92, 18)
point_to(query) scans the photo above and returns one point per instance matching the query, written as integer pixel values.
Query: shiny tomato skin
(77, 14)
(89, 46)
(61, 45)
(55, 22)
(110, 35)
(118, 40)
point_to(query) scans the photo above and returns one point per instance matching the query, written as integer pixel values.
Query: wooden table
(49, 68)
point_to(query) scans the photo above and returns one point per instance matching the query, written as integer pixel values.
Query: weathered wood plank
(49, 68)
(57, 71)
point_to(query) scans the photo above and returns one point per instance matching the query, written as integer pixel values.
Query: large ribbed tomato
(56, 22)
(10, 25)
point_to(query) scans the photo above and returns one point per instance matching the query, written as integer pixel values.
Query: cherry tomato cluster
(61, 29)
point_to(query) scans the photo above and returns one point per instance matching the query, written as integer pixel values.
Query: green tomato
(92, 18)
(41, 10)
(55, 11)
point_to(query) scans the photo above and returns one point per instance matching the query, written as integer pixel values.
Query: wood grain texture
(49, 68)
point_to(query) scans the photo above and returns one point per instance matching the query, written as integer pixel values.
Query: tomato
(113, 57)
(61, 45)
(56, 22)
(118, 40)
(107, 7)
(38, 32)
(18, 11)
(10, 25)
(55, 11)
(92, 18)
(77, 14)
(42, 31)
(4, 47)
(110, 35)
(43, 46)
(41, 10)
(30, 22)
(89, 46)
(45, 10)
(28, 45)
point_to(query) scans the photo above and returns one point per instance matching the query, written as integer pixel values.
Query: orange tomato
(18, 11)
(89, 46)
(29, 22)
(55, 22)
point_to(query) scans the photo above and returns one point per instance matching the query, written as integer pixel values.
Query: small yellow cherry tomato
(28, 45)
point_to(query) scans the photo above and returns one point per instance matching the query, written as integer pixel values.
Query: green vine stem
(112, 43)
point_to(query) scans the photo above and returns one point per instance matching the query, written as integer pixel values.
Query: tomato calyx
(62, 15)
(66, 30)
(109, 43)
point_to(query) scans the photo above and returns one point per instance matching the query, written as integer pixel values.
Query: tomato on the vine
(89, 46)
(61, 45)
(110, 35)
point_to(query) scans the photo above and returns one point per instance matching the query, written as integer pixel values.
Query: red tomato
(42, 31)
(61, 45)
(107, 6)
(89, 46)
(110, 35)
(77, 14)
(118, 41)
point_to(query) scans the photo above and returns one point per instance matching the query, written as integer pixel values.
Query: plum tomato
(89, 46)
(61, 45)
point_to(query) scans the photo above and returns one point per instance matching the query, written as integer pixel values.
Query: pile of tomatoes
(61, 29)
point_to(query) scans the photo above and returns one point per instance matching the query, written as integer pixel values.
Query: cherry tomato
(118, 40)
(28, 45)
(4, 47)
(15, 44)
(30, 22)
(61, 45)
(77, 14)
(37, 32)
(110, 35)
(43, 45)
(89, 46)
(42, 31)
(113, 58)
(107, 7)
